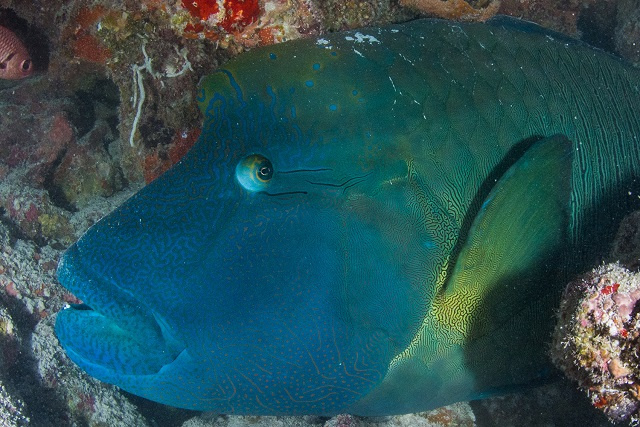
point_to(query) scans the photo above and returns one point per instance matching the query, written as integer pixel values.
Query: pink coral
(626, 303)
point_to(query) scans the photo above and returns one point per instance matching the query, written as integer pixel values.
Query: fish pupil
(265, 172)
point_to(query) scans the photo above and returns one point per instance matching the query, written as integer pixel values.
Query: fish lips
(110, 334)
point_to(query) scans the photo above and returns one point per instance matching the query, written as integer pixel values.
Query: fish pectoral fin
(105, 350)
(513, 242)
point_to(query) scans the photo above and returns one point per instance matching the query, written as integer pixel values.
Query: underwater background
(111, 105)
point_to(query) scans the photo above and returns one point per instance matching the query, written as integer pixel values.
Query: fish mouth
(110, 334)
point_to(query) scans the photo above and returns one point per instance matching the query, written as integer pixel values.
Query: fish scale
(374, 222)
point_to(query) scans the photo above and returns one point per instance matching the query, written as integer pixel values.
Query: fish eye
(26, 65)
(254, 172)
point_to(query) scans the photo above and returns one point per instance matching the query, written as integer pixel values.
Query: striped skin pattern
(374, 222)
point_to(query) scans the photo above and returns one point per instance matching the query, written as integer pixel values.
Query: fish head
(16, 67)
(266, 272)
(16, 64)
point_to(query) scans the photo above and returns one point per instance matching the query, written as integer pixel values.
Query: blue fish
(373, 222)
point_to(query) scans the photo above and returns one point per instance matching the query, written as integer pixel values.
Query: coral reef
(454, 9)
(338, 15)
(155, 52)
(45, 142)
(595, 342)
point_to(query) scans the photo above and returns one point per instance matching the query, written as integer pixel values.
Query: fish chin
(102, 348)
(109, 340)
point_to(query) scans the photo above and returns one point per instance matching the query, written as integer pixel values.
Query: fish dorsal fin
(513, 241)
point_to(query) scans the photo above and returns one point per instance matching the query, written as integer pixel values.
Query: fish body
(15, 61)
(374, 222)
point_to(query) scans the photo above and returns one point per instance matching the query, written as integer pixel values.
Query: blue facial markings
(234, 84)
(272, 95)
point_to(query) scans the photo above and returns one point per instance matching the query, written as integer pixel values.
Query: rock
(628, 31)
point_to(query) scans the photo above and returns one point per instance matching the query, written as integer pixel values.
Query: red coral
(237, 14)
(600, 402)
(609, 289)
(240, 13)
(202, 9)
(80, 35)
(89, 48)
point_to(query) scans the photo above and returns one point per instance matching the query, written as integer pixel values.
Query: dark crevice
(56, 195)
(99, 100)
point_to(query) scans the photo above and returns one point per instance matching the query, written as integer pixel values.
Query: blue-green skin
(432, 185)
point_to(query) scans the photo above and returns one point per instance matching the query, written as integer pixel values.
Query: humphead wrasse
(373, 222)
